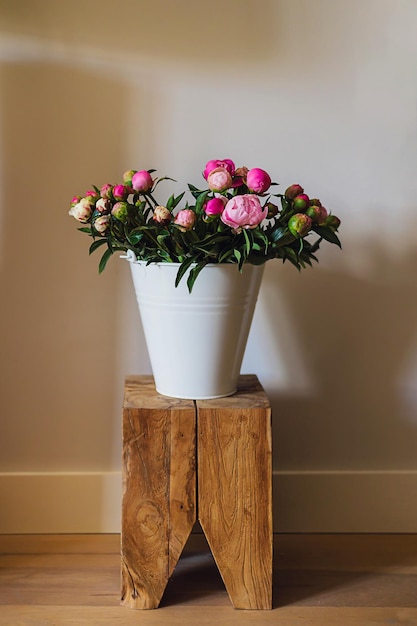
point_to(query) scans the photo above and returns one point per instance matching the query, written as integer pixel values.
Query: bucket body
(196, 341)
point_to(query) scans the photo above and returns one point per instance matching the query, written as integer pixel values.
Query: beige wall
(321, 92)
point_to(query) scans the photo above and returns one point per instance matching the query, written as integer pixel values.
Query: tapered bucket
(196, 342)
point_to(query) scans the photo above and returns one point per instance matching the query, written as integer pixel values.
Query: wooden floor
(319, 580)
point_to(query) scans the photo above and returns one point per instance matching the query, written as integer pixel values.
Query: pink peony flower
(82, 210)
(185, 219)
(300, 224)
(142, 181)
(243, 212)
(106, 191)
(293, 191)
(103, 205)
(258, 180)
(120, 211)
(162, 215)
(227, 164)
(121, 192)
(219, 179)
(101, 224)
(215, 206)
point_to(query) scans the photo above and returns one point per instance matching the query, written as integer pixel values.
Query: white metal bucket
(196, 341)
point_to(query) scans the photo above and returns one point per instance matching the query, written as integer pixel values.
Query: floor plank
(318, 580)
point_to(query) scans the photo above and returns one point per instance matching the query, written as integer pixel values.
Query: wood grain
(159, 494)
(235, 491)
(159, 501)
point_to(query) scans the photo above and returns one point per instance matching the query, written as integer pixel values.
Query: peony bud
(300, 224)
(127, 177)
(293, 191)
(121, 192)
(215, 206)
(258, 180)
(103, 206)
(323, 216)
(239, 177)
(142, 181)
(272, 210)
(301, 202)
(120, 211)
(102, 223)
(82, 211)
(75, 200)
(315, 201)
(242, 172)
(92, 194)
(106, 191)
(317, 213)
(333, 222)
(161, 215)
(219, 179)
(185, 219)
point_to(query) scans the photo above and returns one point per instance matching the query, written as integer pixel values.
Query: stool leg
(234, 453)
(159, 507)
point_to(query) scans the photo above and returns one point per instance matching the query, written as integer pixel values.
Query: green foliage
(157, 237)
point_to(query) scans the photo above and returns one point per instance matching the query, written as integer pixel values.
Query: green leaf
(259, 234)
(178, 199)
(326, 233)
(182, 269)
(195, 272)
(85, 229)
(292, 256)
(103, 261)
(165, 256)
(237, 254)
(200, 202)
(170, 202)
(278, 233)
(96, 244)
(194, 190)
(135, 236)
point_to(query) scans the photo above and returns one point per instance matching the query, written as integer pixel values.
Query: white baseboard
(76, 502)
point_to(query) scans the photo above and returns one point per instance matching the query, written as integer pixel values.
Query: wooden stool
(170, 446)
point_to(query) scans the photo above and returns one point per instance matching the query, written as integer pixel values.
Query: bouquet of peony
(235, 219)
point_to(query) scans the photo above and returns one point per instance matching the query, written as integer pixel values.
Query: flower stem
(153, 199)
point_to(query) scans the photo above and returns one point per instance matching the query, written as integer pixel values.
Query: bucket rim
(131, 258)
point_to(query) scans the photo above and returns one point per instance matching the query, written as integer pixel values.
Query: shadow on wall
(218, 32)
(358, 340)
(58, 319)
(65, 117)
